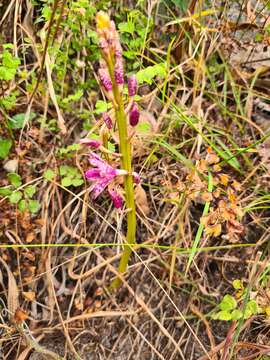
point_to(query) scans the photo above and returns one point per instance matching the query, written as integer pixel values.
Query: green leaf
(15, 179)
(228, 303)
(237, 284)
(251, 309)
(17, 120)
(147, 74)
(223, 315)
(77, 182)
(63, 170)
(102, 106)
(236, 314)
(127, 27)
(49, 174)
(66, 181)
(4, 191)
(74, 97)
(33, 206)
(29, 191)
(22, 206)
(15, 197)
(5, 145)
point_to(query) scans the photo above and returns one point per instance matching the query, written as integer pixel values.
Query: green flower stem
(125, 150)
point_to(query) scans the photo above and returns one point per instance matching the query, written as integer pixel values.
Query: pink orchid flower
(102, 174)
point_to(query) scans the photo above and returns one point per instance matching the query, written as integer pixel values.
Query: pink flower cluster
(111, 73)
(103, 175)
(112, 53)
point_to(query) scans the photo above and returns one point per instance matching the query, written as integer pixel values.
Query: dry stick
(45, 49)
(45, 57)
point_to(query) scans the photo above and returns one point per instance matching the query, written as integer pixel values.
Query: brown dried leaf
(29, 295)
(20, 315)
(30, 237)
(213, 230)
(13, 292)
(224, 179)
(141, 200)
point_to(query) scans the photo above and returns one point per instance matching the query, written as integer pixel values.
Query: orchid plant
(104, 174)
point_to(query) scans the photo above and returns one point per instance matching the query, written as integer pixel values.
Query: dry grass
(59, 294)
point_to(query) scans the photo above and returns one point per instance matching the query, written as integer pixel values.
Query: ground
(197, 285)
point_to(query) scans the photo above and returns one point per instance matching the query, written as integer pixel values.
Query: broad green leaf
(228, 303)
(17, 121)
(236, 314)
(237, 284)
(66, 181)
(223, 315)
(29, 191)
(101, 107)
(15, 179)
(77, 182)
(148, 74)
(5, 145)
(49, 174)
(4, 191)
(15, 197)
(63, 170)
(33, 206)
(22, 206)
(127, 27)
(251, 309)
(73, 97)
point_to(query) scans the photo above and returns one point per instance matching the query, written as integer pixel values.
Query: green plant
(22, 197)
(5, 146)
(230, 310)
(8, 69)
(133, 34)
(70, 176)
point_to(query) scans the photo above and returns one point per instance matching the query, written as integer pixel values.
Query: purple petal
(132, 85)
(105, 79)
(92, 174)
(96, 160)
(97, 188)
(95, 144)
(116, 198)
(105, 170)
(134, 115)
(107, 120)
(119, 71)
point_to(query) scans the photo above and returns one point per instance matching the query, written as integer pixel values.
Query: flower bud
(134, 115)
(132, 86)
(92, 143)
(103, 20)
(105, 79)
(116, 198)
(107, 120)
(136, 177)
(119, 71)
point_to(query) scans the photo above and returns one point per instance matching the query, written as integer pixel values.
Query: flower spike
(134, 115)
(132, 86)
